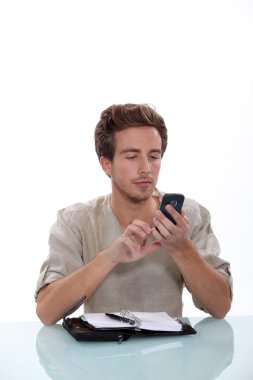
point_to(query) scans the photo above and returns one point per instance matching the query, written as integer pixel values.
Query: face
(136, 163)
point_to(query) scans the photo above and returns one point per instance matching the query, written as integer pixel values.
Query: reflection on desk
(203, 356)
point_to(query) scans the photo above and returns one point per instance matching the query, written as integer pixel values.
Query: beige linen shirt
(151, 284)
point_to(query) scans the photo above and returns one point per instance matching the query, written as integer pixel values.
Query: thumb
(150, 247)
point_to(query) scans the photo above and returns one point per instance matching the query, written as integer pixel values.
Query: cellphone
(175, 200)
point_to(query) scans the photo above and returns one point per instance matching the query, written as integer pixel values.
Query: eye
(131, 157)
(154, 157)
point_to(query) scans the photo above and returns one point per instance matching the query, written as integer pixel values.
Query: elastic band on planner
(73, 307)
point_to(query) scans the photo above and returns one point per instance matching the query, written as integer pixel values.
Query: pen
(121, 319)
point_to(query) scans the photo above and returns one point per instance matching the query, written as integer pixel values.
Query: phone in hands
(175, 200)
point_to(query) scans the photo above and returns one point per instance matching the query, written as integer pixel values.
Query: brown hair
(121, 116)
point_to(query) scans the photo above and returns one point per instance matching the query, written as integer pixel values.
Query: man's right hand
(130, 246)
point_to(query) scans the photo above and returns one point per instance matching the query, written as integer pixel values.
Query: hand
(130, 246)
(170, 235)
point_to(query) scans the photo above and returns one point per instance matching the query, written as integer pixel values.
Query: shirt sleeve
(65, 251)
(203, 238)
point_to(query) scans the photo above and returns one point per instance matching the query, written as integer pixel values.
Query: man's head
(122, 116)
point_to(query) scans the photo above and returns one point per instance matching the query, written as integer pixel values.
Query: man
(119, 250)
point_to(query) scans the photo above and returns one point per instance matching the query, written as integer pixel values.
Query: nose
(144, 166)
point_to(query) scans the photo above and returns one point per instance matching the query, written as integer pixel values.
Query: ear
(106, 165)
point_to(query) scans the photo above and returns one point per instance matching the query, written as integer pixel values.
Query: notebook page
(158, 321)
(155, 321)
(100, 320)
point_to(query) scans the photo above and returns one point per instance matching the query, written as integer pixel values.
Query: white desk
(221, 349)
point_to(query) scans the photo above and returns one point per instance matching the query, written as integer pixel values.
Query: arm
(207, 286)
(54, 299)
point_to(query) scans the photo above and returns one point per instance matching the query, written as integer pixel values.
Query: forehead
(147, 138)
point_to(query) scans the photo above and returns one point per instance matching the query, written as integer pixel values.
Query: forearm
(208, 286)
(54, 299)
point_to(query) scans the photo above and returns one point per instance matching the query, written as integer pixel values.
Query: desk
(221, 349)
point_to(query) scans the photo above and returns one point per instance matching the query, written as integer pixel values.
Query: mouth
(143, 183)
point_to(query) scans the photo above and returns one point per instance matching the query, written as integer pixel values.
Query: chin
(136, 198)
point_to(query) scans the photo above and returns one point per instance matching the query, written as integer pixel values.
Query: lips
(143, 183)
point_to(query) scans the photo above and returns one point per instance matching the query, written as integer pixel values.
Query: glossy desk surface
(221, 349)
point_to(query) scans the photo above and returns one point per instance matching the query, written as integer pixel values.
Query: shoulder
(83, 211)
(199, 219)
(194, 210)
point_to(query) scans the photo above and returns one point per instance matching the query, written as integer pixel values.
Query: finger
(160, 220)
(142, 225)
(179, 220)
(163, 230)
(139, 230)
(135, 232)
(156, 234)
(186, 219)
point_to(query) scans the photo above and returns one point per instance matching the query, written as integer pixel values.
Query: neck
(127, 210)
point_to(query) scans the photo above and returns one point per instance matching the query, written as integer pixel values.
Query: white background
(63, 62)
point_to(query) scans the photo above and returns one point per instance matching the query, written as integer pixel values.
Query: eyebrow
(135, 150)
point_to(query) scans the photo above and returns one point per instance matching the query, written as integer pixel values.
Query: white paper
(155, 321)
(158, 321)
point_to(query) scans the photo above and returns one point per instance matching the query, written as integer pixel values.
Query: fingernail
(147, 229)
